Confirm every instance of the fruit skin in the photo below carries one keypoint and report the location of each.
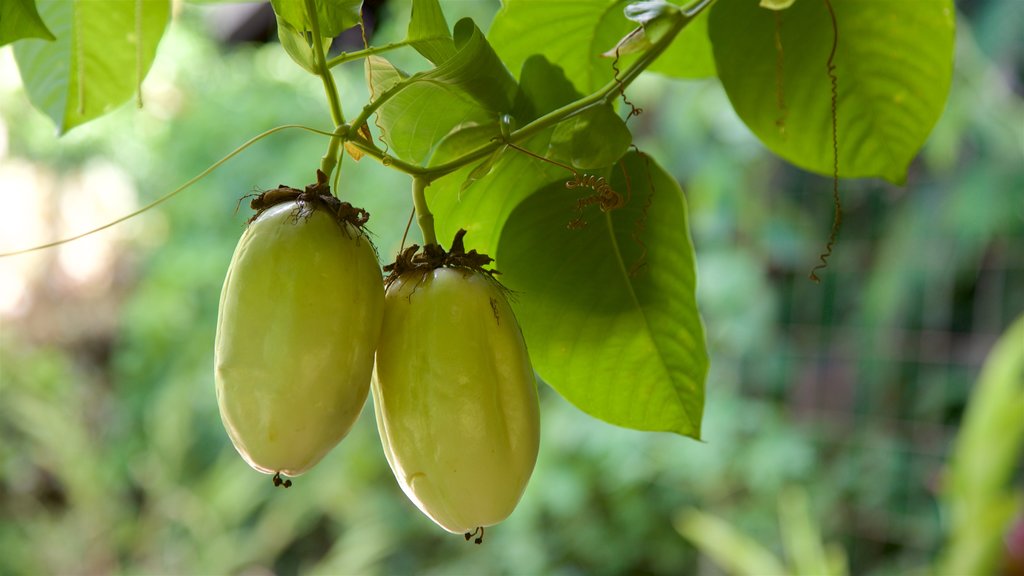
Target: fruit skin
(456, 397)
(300, 316)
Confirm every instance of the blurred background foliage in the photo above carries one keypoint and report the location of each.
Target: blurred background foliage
(832, 406)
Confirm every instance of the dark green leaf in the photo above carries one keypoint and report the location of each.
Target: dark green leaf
(20, 19)
(609, 310)
(333, 16)
(543, 87)
(428, 32)
(594, 139)
(574, 34)
(894, 63)
(104, 49)
(298, 47)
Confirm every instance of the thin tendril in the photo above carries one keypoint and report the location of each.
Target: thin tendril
(373, 95)
(544, 159)
(170, 194)
(837, 219)
(401, 247)
(633, 110)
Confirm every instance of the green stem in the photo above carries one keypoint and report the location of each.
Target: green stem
(330, 159)
(604, 96)
(424, 219)
(350, 56)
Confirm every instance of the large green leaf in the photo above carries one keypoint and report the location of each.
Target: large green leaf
(333, 16)
(428, 32)
(104, 49)
(470, 88)
(609, 311)
(574, 34)
(893, 63)
(20, 19)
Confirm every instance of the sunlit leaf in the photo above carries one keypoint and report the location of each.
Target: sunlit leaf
(609, 310)
(103, 50)
(333, 16)
(893, 62)
(20, 19)
(428, 32)
(574, 34)
(297, 46)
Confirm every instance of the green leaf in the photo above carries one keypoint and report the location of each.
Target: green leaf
(594, 139)
(298, 46)
(333, 16)
(461, 140)
(483, 209)
(471, 88)
(20, 19)
(609, 310)
(574, 34)
(894, 63)
(428, 32)
(104, 49)
(543, 87)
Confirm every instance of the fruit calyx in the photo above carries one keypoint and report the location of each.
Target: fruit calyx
(317, 195)
(433, 256)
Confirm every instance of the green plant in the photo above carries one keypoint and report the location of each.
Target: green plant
(596, 239)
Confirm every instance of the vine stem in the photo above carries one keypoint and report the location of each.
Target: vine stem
(424, 219)
(364, 53)
(603, 96)
(330, 159)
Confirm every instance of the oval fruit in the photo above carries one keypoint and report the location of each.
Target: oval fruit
(455, 397)
(300, 315)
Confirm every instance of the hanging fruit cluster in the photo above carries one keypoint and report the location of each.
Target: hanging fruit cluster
(305, 310)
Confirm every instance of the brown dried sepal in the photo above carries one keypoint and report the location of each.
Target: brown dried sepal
(432, 256)
(315, 196)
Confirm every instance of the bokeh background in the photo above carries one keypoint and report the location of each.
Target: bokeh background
(846, 394)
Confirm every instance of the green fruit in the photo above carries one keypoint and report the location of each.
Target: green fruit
(455, 397)
(300, 315)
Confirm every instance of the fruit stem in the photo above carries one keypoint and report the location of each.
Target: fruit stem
(330, 159)
(424, 219)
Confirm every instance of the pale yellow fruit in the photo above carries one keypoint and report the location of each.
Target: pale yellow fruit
(300, 315)
(456, 397)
